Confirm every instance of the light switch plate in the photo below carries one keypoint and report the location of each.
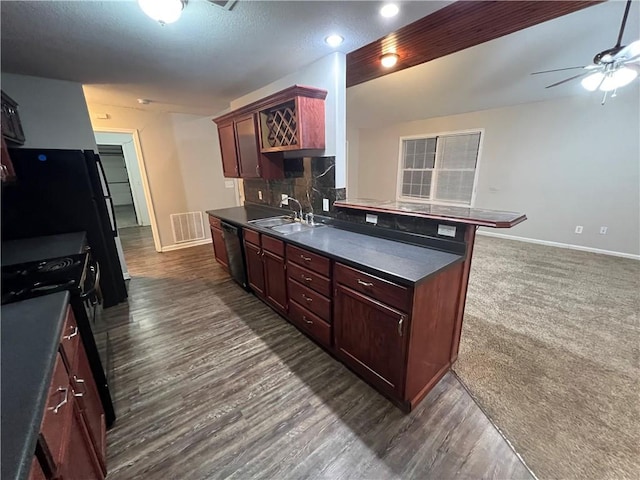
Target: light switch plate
(325, 204)
(228, 184)
(372, 219)
(446, 230)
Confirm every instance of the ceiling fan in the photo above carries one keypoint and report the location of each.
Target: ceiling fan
(611, 69)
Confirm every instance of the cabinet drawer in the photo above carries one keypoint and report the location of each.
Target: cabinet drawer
(57, 413)
(311, 300)
(386, 292)
(214, 222)
(69, 341)
(252, 237)
(308, 322)
(310, 279)
(312, 261)
(273, 245)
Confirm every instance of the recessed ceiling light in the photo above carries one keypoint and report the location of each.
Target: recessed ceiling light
(334, 40)
(388, 60)
(389, 10)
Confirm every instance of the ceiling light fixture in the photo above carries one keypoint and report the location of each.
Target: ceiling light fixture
(389, 10)
(388, 60)
(163, 11)
(334, 40)
(611, 80)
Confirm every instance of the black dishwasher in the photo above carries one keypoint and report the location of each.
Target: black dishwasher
(235, 253)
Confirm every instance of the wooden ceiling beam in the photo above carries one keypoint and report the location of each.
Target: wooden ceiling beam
(457, 26)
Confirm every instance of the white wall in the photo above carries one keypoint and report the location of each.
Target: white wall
(563, 162)
(53, 112)
(328, 73)
(182, 160)
(200, 162)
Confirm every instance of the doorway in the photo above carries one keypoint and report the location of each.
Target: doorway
(125, 174)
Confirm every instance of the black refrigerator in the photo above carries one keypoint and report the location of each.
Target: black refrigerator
(62, 191)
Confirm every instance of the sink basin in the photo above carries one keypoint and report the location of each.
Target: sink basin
(272, 221)
(294, 228)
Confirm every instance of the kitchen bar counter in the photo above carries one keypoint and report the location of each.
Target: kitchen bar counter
(401, 262)
(471, 216)
(30, 338)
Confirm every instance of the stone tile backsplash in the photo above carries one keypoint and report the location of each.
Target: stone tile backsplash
(308, 180)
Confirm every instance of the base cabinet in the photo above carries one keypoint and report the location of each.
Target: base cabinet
(80, 461)
(255, 268)
(370, 338)
(275, 281)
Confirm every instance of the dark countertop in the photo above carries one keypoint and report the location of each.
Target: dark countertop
(42, 248)
(397, 261)
(473, 216)
(240, 216)
(30, 337)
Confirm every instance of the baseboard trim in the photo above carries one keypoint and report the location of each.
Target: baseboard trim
(179, 246)
(560, 245)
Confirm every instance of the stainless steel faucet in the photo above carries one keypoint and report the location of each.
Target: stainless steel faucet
(298, 215)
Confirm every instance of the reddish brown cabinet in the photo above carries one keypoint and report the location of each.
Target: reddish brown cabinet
(227, 136)
(370, 338)
(275, 281)
(255, 268)
(73, 429)
(247, 146)
(217, 239)
(7, 173)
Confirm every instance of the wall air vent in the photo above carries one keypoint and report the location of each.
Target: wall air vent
(226, 4)
(187, 227)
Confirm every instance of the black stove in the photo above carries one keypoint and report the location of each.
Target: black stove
(43, 265)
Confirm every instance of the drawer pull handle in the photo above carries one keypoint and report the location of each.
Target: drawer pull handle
(306, 279)
(308, 299)
(306, 259)
(309, 322)
(400, 323)
(365, 284)
(72, 334)
(78, 381)
(64, 400)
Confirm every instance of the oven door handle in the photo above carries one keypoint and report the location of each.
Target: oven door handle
(95, 289)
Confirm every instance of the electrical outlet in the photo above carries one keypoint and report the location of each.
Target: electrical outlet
(579, 229)
(285, 199)
(229, 184)
(325, 204)
(603, 230)
(260, 194)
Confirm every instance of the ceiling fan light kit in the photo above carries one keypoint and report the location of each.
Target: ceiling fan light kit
(613, 68)
(163, 11)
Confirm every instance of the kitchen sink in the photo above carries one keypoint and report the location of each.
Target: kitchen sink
(294, 228)
(272, 221)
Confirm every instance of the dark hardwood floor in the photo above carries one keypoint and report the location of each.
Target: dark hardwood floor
(211, 383)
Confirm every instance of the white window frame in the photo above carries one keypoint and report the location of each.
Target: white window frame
(401, 198)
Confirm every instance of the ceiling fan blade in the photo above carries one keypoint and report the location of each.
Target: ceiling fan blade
(558, 70)
(630, 51)
(632, 60)
(568, 79)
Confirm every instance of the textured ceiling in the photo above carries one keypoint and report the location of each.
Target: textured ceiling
(198, 64)
(496, 73)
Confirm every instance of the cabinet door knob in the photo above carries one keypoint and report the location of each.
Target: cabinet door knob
(258, 252)
(64, 400)
(310, 322)
(400, 323)
(365, 284)
(72, 334)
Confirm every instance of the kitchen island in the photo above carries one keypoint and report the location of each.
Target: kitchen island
(386, 300)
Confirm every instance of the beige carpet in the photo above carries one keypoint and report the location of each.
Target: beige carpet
(550, 349)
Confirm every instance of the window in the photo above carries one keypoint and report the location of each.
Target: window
(439, 168)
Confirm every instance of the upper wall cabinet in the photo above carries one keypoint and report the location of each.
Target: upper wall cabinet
(254, 138)
(11, 124)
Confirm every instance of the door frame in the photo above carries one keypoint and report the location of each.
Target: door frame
(140, 163)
